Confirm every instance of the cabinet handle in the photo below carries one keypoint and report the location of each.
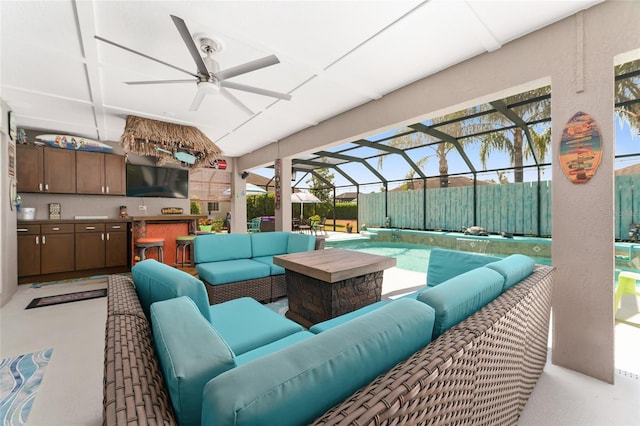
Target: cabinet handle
(90, 228)
(107, 236)
(102, 236)
(40, 187)
(46, 186)
(55, 228)
(22, 229)
(37, 240)
(44, 240)
(115, 227)
(102, 189)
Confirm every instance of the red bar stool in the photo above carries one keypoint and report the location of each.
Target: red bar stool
(145, 243)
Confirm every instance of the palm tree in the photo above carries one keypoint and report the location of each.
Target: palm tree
(628, 89)
(512, 140)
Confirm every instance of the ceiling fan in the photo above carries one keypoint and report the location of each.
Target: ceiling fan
(209, 78)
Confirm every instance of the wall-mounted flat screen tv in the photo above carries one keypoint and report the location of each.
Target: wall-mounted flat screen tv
(149, 181)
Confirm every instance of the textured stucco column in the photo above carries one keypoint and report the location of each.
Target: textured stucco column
(238, 200)
(582, 214)
(283, 214)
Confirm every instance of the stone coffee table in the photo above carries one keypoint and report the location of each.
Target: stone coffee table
(324, 284)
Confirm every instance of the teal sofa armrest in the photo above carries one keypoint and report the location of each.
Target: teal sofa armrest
(190, 353)
(218, 247)
(154, 281)
(300, 242)
(461, 296)
(299, 383)
(513, 268)
(446, 264)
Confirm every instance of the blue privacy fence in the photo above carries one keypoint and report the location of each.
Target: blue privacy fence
(519, 208)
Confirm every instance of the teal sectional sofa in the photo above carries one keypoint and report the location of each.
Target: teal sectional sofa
(241, 265)
(427, 357)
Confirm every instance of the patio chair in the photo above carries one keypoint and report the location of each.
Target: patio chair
(320, 226)
(254, 225)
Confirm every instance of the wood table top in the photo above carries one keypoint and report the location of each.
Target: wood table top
(332, 265)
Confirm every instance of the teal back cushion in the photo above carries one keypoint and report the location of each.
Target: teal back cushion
(190, 353)
(461, 296)
(298, 384)
(217, 247)
(269, 243)
(155, 281)
(514, 268)
(445, 264)
(301, 242)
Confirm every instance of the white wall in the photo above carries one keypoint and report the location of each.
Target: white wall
(582, 219)
(8, 239)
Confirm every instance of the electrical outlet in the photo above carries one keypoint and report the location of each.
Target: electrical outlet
(142, 208)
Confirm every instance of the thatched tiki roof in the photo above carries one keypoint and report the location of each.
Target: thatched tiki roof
(163, 140)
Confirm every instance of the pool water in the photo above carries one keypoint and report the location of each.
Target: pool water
(411, 257)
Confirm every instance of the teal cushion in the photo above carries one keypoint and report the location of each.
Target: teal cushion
(229, 271)
(301, 242)
(514, 268)
(268, 260)
(445, 264)
(246, 324)
(217, 247)
(298, 384)
(270, 348)
(461, 296)
(190, 353)
(326, 325)
(155, 281)
(269, 243)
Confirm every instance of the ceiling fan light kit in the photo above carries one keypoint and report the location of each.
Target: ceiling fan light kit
(208, 77)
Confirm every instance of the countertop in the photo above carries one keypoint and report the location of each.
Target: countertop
(167, 217)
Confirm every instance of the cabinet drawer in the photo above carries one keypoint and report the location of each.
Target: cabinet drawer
(59, 228)
(28, 229)
(116, 226)
(89, 227)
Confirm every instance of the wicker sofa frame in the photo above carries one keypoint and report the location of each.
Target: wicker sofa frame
(481, 371)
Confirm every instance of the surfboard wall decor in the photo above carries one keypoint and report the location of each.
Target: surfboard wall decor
(580, 148)
(77, 143)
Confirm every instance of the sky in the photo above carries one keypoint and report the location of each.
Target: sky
(394, 167)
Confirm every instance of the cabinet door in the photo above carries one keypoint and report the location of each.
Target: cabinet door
(57, 253)
(59, 171)
(29, 163)
(28, 250)
(115, 178)
(117, 249)
(90, 250)
(90, 173)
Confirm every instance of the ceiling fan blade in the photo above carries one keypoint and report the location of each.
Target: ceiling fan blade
(143, 55)
(191, 46)
(197, 100)
(257, 90)
(235, 101)
(247, 67)
(159, 82)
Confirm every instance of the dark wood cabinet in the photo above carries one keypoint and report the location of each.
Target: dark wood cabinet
(90, 246)
(116, 245)
(57, 248)
(28, 250)
(99, 173)
(42, 169)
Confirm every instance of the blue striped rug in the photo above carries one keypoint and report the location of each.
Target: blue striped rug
(20, 378)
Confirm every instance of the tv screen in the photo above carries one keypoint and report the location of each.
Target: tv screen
(149, 181)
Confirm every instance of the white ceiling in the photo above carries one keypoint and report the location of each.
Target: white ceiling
(334, 56)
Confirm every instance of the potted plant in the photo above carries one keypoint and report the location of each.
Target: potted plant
(349, 228)
(205, 224)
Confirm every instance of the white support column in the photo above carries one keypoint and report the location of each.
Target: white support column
(238, 200)
(283, 191)
(582, 214)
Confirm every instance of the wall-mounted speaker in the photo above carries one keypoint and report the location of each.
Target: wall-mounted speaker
(244, 175)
